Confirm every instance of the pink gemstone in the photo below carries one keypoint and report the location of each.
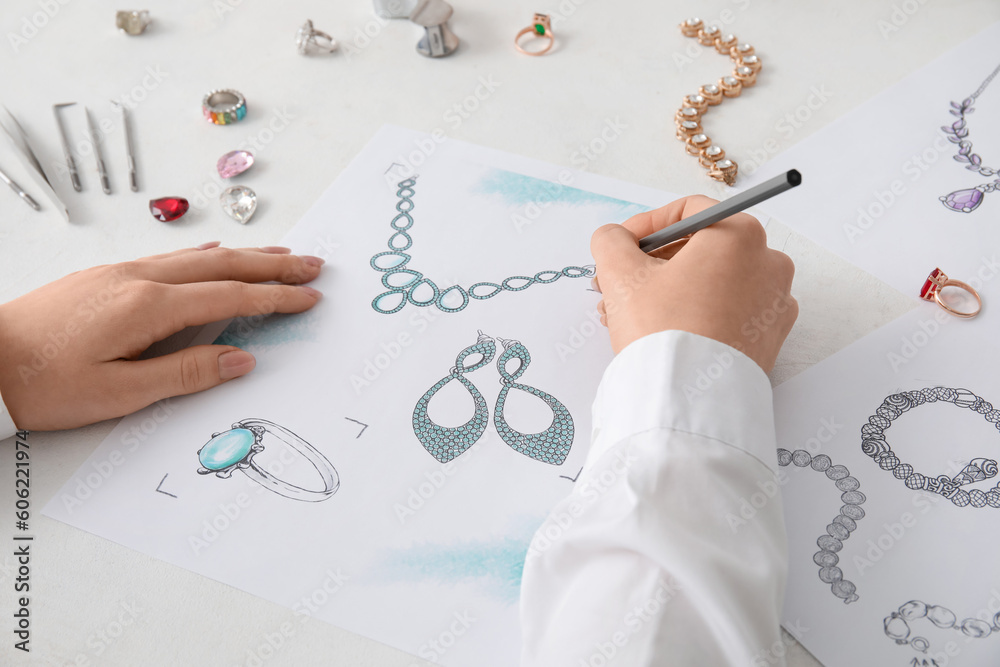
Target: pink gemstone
(167, 209)
(233, 163)
(930, 285)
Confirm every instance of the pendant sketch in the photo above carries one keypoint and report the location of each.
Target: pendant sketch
(404, 283)
(874, 444)
(967, 201)
(897, 624)
(445, 443)
(234, 450)
(842, 525)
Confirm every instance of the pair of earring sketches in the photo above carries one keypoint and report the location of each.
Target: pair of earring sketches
(445, 443)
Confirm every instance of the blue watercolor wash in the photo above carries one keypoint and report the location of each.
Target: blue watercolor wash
(272, 331)
(497, 565)
(518, 190)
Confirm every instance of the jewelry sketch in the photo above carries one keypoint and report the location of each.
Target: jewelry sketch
(402, 282)
(897, 624)
(873, 444)
(967, 201)
(234, 450)
(842, 525)
(445, 443)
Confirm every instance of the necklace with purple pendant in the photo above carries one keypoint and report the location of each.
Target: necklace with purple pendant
(967, 201)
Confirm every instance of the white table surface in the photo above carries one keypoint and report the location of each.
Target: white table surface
(615, 61)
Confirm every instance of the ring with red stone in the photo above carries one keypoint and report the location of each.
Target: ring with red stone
(731, 86)
(541, 27)
(224, 107)
(691, 27)
(937, 281)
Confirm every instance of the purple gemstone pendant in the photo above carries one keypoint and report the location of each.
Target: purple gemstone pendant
(964, 201)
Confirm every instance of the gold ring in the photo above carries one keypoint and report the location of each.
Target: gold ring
(937, 281)
(541, 27)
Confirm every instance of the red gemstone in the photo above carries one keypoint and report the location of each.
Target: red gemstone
(930, 285)
(167, 209)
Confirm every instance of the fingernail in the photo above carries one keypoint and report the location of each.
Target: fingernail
(276, 250)
(313, 261)
(314, 293)
(210, 244)
(235, 363)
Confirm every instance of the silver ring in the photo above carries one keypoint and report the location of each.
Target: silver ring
(234, 450)
(308, 40)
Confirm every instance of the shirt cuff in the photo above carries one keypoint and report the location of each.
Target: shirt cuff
(689, 383)
(7, 427)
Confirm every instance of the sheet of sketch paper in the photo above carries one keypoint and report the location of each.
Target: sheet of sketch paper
(907, 181)
(363, 473)
(888, 454)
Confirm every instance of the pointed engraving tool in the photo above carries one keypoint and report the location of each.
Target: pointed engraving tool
(133, 183)
(70, 163)
(98, 155)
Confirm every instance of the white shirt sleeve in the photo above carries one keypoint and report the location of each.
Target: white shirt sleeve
(671, 548)
(7, 427)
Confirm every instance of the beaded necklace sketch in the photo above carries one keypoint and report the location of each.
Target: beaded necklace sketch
(445, 443)
(967, 201)
(403, 283)
(842, 525)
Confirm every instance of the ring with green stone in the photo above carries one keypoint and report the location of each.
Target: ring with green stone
(541, 26)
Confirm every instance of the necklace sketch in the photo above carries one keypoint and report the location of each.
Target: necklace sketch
(897, 624)
(967, 201)
(842, 525)
(405, 283)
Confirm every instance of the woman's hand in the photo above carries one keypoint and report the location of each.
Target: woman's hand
(724, 283)
(68, 350)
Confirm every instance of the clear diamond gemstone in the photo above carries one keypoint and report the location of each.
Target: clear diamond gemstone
(750, 59)
(711, 88)
(711, 30)
(239, 202)
(722, 164)
(699, 139)
(689, 124)
(729, 80)
(744, 71)
(729, 38)
(712, 150)
(743, 48)
(689, 111)
(132, 22)
(693, 21)
(696, 99)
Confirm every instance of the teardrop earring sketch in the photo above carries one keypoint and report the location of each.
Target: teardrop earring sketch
(446, 442)
(551, 445)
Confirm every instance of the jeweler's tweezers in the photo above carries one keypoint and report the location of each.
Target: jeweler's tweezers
(70, 163)
(129, 155)
(94, 139)
(18, 140)
(20, 191)
(21, 140)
